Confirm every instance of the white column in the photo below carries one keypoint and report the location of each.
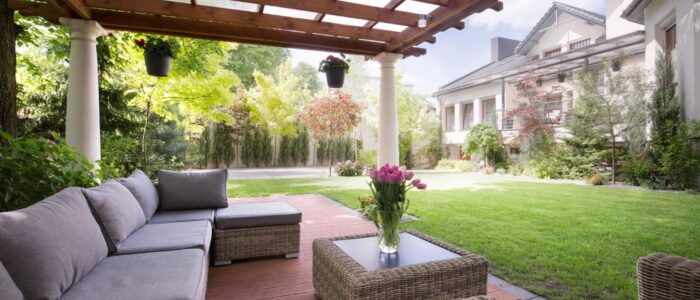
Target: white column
(499, 111)
(388, 115)
(477, 112)
(458, 117)
(83, 107)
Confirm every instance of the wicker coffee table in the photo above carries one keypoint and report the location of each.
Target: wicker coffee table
(424, 268)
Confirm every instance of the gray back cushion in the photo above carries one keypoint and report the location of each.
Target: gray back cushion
(8, 289)
(192, 189)
(117, 209)
(51, 245)
(143, 190)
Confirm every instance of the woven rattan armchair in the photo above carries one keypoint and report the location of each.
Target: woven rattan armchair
(666, 277)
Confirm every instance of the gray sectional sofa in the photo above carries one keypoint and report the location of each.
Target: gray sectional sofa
(125, 239)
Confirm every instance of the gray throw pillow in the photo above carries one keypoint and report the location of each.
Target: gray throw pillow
(143, 190)
(117, 209)
(192, 189)
(8, 289)
(51, 245)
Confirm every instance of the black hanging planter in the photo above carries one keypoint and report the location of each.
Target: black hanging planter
(616, 66)
(335, 77)
(157, 64)
(539, 82)
(561, 77)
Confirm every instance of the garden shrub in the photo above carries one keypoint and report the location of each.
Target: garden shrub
(463, 166)
(487, 170)
(33, 169)
(368, 158)
(547, 167)
(501, 171)
(637, 171)
(515, 170)
(349, 168)
(446, 164)
(598, 179)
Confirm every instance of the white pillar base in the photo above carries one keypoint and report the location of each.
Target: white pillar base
(388, 144)
(83, 105)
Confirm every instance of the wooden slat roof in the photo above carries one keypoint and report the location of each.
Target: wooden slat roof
(234, 21)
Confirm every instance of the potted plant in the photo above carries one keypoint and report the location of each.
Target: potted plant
(158, 54)
(539, 81)
(389, 185)
(561, 76)
(616, 64)
(335, 69)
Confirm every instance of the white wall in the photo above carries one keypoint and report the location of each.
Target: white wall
(615, 24)
(568, 29)
(686, 14)
(461, 97)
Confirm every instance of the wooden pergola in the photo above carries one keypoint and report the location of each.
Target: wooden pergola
(251, 23)
(383, 30)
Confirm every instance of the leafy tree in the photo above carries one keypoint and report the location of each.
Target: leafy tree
(428, 133)
(334, 116)
(308, 77)
(614, 111)
(534, 132)
(245, 59)
(483, 139)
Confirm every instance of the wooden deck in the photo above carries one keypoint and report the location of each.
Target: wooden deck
(278, 278)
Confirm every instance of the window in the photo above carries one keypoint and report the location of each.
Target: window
(488, 111)
(579, 44)
(671, 38)
(552, 52)
(450, 118)
(467, 116)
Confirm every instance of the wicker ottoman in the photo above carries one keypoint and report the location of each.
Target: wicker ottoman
(246, 230)
(424, 268)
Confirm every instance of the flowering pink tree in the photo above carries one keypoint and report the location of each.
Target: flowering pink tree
(334, 115)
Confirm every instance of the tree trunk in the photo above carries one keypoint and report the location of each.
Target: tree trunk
(613, 158)
(144, 137)
(330, 159)
(8, 65)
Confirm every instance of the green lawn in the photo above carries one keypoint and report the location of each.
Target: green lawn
(561, 241)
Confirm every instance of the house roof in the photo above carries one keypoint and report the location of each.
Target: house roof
(511, 62)
(550, 17)
(635, 11)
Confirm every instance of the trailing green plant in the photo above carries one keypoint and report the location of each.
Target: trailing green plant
(332, 62)
(159, 45)
(32, 169)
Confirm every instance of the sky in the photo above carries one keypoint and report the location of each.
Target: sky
(458, 52)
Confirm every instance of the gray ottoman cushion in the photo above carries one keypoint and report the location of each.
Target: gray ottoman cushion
(192, 189)
(168, 236)
(143, 190)
(183, 216)
(8, 289)
(117, 209)
(51, 245)
(154, 275)
(244, 215)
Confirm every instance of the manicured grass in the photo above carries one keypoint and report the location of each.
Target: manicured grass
(561, 241)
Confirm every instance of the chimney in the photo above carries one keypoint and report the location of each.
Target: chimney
(502, 48)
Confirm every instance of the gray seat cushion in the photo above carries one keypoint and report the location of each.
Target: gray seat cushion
(183, 216)
(8, 289)
(143, 190)
(116, 209)
(51, 245)
(192, 189)
(243, 215)
(154, 275)
(168, 236)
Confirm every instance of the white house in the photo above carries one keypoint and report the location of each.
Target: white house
(566, 40)
(672, 25)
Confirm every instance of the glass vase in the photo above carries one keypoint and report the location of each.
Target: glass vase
(389, 237)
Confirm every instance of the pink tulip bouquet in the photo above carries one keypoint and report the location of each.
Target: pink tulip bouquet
(389, 185)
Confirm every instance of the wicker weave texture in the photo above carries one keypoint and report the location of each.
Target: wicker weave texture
(232, 244)
(338, 276)
(666, 277)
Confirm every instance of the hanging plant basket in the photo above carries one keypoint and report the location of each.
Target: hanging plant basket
(335, 69)
(616, 65)
(157, 64)
(335, 77)
(158, 54)
(561, 77)
(539, 81)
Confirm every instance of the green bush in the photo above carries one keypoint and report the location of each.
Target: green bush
(637, 171)
(369, 158)
(516, 170)
(446, 164)
(33, 169)
(547, 167)
(349, 168)
(463, 166)
(598, 179)
(501, 171)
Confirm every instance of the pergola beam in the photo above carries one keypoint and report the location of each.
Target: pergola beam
(199, 12)
(436, 2)
(78, 6)
(235, 33)
(442, 18)
(346, 9)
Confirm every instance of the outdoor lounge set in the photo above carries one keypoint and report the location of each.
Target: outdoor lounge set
(128, 239)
